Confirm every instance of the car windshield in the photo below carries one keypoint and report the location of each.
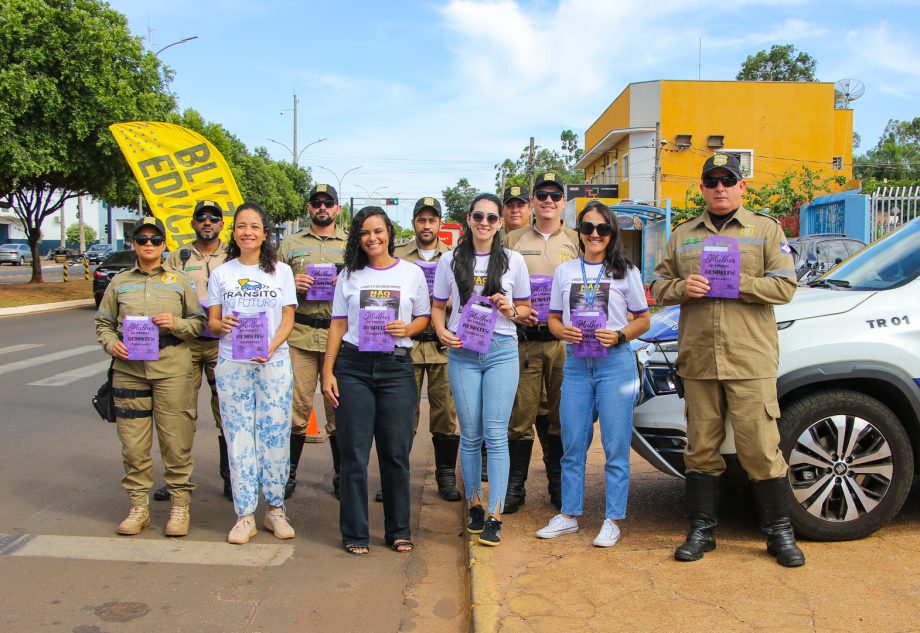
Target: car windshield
(121, 258)
(890, 262)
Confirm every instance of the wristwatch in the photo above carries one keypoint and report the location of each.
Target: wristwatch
(621, 337)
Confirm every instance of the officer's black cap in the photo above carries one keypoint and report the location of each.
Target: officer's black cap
(516, 193)
(549, 178)
(427, 204)
(728, 162)
(204, 205)
(329, 190)
(151, 222)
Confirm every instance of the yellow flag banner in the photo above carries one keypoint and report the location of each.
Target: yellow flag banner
(176, 168)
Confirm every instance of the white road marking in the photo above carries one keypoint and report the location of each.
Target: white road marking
(67, 377)
(141, 550)
(18, 348)
(47, 358)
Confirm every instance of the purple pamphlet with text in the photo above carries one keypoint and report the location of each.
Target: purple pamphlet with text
(477, 324)
(372, 335)
(142, 338)
(323, 288)
(720, 264)
(589, 322)
(540, 286)
(428, 268)
(250, 337)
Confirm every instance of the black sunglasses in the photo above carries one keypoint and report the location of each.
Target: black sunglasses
(325, 202)
(587, 228)
(479, 216)
(156, 240)
(711, 182)
(208, 217)
(543, 195)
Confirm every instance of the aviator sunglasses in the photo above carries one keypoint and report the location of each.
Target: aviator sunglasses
(156, 240)
(711, 182)
(587, 228)
(543, 195)
(479, 216)
(208, 217)
(326, 202)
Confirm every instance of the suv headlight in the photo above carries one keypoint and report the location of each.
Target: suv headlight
(659, 378)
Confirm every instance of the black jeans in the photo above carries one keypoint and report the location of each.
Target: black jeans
(377, 394)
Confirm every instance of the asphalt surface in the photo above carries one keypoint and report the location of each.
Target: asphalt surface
(65, 569)
(50, 272)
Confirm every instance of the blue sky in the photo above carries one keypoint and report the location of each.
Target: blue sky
(419, 94)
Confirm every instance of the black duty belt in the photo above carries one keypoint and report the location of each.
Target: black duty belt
(537, 333)
(399, 351)
(312, 321)
(426, 337)
(120, 392)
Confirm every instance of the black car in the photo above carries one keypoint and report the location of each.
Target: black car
(815, 254)
(98, 252)
(113, 264)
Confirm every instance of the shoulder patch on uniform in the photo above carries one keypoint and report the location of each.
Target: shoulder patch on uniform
(785, 248)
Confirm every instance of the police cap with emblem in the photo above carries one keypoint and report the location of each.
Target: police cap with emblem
(728, 162)
(548, 178)
(329, 190)
(151, 222)
(427, 204)
(516, 193)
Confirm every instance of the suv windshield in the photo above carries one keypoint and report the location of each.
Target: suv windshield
(121, 258)
(890, 262)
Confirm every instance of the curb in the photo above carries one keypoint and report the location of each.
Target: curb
(46, 307)
(485, 601)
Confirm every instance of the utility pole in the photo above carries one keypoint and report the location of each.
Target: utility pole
(80, 220)
(657, 175)
(63, 226)
(530, 162)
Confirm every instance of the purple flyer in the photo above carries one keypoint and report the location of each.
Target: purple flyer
(540, 286)
(589, 322)
(477, 324)
(428, 268)
(323, 288)
(720, 263)
(250, 337)
(372, 335)
(141, 337)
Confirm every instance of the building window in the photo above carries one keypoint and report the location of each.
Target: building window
(837, 162)
(625, 174)
(746, 156)
(611, 178)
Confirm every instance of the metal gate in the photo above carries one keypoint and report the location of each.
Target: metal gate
(893, 206)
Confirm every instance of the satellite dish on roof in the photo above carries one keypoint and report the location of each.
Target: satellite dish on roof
(847, 91)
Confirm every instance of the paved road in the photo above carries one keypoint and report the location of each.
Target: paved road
(50, 272)
(64, 568)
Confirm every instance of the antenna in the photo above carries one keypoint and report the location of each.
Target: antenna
(846, 91)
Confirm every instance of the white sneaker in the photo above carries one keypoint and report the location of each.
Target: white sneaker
(609, 534)
(244, 530)
(557, 526)
(276, 522)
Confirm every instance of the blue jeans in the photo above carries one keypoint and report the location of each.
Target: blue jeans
(606, 386)
(484, 386)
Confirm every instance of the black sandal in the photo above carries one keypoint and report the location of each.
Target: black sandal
(357, 549)
(402, 546)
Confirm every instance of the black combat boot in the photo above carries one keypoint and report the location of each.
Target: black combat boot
(702, 501)
(334, 447)
(445, 463)
(296, 449)
(484, 470)
(773, 503)
(554, 470)
(224, 467)
(519, 452)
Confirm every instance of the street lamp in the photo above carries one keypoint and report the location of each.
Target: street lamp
(182, 41)
(300, 153)
(370, 195)
(340, 179)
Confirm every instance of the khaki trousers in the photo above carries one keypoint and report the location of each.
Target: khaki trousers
(541, 365)
(204, 359)
(752, 407)
(173, 409)
(442, 414)
(307, 367)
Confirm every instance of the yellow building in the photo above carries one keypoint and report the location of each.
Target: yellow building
(671, 127)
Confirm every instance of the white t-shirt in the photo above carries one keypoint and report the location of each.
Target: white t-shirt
(250, 290)
(515, 283)
(616, 295)
(401, 286)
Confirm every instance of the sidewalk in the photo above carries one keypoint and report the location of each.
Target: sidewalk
(45, 307)
(566, 584)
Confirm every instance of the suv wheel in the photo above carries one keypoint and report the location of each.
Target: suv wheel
(850, 464)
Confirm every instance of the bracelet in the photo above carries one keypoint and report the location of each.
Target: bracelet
(515, 315)
(332, 356)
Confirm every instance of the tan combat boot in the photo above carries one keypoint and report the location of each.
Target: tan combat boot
(178, 521)
(138, 518)
(244, 530)
(276, 522)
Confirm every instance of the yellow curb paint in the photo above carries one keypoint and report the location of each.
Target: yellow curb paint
(485, 603)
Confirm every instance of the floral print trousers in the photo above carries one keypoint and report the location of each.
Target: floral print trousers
(255, 404)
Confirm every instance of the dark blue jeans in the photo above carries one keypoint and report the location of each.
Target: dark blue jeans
(377, 394)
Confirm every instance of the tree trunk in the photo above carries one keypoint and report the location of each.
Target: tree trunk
(34, 234)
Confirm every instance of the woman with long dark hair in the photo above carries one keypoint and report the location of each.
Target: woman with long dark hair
(591, 301)
(380, 301)
(251, 301)
(489, 286)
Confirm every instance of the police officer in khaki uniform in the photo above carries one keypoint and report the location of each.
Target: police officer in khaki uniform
(516, 209)
(429, 356)
(544, 246)
(728, 355)
(197, 260)
(153, 393)
(322, 242)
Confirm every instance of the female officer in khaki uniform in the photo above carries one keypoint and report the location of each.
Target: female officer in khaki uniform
(153, 393)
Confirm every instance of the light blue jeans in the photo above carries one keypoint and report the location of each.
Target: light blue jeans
(255, 405)
(597, 386)
(484, 386)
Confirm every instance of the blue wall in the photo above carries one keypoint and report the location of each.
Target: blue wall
(846, 212)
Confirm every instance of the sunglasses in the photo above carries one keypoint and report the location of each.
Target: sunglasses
(326, 202)
(156, 240)
(543, 195)
(479, 216)
(208, 217)
(711, 182)
(603, 229)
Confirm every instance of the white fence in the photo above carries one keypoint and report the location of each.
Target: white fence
(893, 206)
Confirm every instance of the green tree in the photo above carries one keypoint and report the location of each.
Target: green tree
(896, 156)
(72, 235)
(458, 200)
(519, 172)
(781, 63)
(68, 69)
